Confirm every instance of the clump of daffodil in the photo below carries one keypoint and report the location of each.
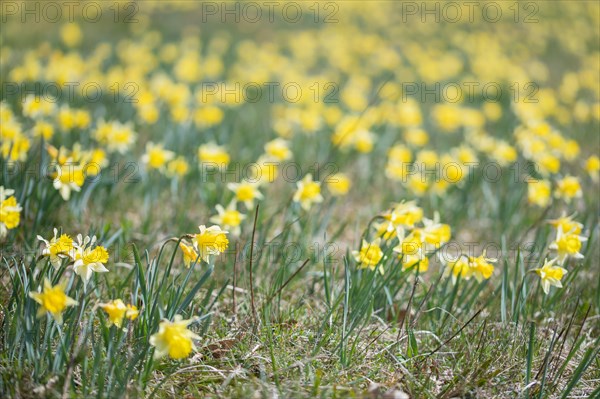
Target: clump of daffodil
(116, 136)
(568, 188)
(117, 311)
(230, 218)
(89, 258)
(156, 157)
(69, 118)
(539, 193)
(468, 266)
(567, 244)
(43, 129)
(174, 339)
(308, 192)
(38, 106)
(58, 248)
(415, 243)
(338, 184)
(369, 255)
(52, 300)
(246, 192)
(211, 241)
(10, 211)
(404, 214)
(550, 275)
(432, 234)
(411, 251)
(213, 155)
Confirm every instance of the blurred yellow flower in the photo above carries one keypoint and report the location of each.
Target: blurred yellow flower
(36, 106)
(416, 137)
(229, 218)
(370, 255)
(174, 339)
(539, 192)
(568, 188)
(246, 192)
(10, 211)
(43, 129)
(117, 311)
(566, 224)
(567, 244)
(156, 157)
(178, 167)
(338, 184)
(592, 166)
(67, 178)
(213, 155)
(467, 266)
(52, 300)
(308, 192)
(207, 116)
(278, 150)
(71, 34)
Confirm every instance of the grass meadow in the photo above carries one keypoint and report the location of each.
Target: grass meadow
(311, 199)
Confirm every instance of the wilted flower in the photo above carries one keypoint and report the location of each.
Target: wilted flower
(189, 254)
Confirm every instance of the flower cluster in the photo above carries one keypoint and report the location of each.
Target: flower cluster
(567, 244)
(84, 255)
(210, 241)
(412, 237)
